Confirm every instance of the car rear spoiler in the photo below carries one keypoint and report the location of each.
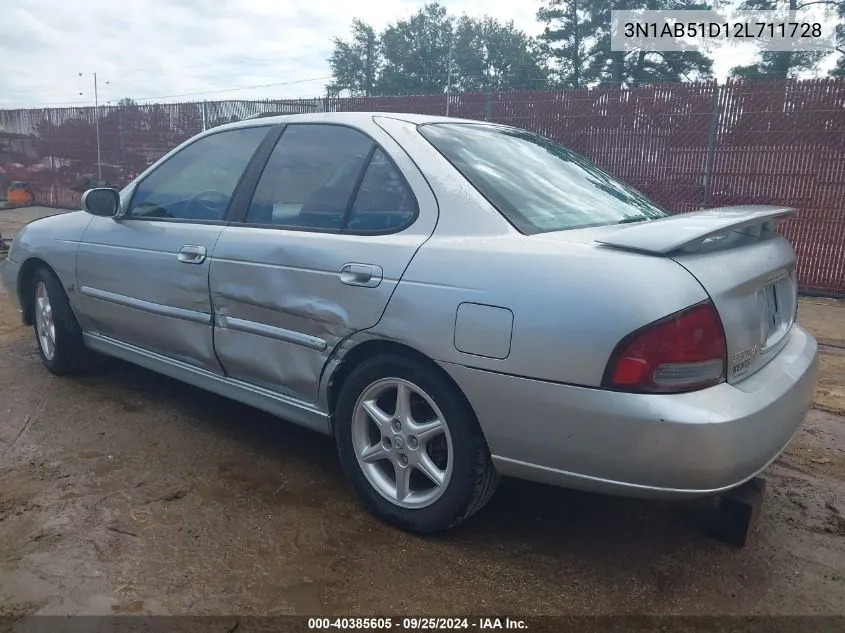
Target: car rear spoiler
(687, 232)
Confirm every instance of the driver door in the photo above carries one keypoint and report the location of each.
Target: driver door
(143, 278)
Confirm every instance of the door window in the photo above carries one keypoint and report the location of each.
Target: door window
(310, 177)
(383, 202)
(197, 183)
(330, 177)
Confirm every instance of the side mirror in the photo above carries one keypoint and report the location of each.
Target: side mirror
(101, 201)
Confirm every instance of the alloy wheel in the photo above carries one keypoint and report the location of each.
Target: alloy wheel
(44, 324)
(402, 443)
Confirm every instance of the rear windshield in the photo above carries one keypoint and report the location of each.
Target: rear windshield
(535, 183)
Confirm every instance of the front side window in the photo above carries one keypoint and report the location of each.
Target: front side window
(197, 183)
(330, 177)
(538, 185)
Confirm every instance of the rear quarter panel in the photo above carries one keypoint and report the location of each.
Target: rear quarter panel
(571, 303)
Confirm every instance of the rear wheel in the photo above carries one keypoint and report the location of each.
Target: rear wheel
(57, 333)
(411, 446)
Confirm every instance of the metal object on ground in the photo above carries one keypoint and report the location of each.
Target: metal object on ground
(738, 512)
(19, 194)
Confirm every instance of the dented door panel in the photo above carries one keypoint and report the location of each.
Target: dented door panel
(281, 305)
(283, 298)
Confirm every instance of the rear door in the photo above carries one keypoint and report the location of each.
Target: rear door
(335, 219)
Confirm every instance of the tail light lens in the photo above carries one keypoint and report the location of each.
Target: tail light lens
(682, 352)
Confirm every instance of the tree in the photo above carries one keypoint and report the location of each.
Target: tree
(73, 139)
(778, 65)
(355, 64)
(624, 68)
(488, 55)
(416, 53)
(644, 67)
(128, 130)
(566, 38)
(432, 51)
(187, 122)
(838, 8)
(578, 34)
(785, 64)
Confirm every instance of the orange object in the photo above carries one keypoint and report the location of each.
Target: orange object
(18, 194)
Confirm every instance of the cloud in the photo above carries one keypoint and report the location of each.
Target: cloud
(159, 49)
(170, 50)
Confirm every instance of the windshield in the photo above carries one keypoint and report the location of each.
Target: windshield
(536, 184)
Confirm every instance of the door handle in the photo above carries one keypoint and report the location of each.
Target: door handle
(192, 254)
(366, 275)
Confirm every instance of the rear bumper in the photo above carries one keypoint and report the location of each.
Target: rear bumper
(659, 446)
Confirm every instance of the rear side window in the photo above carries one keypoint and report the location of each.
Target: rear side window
(537, 184)
(310, 177)
(330, 177)
(383, 202)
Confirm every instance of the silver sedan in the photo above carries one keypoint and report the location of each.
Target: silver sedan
(452, 301)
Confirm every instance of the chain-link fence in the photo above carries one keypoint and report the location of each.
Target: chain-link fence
(687, 146)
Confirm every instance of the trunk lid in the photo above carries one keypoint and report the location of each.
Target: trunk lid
(745, 266)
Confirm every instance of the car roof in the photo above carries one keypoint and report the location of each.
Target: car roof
(349, 118)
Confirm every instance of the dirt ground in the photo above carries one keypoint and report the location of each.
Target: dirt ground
(126, 492)
(826, 319)
(11, 220)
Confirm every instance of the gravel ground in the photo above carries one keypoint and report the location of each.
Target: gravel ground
(125, 492)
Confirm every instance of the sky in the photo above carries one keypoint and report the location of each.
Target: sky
(173, 50)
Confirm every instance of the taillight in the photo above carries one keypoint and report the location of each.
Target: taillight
(682, 352)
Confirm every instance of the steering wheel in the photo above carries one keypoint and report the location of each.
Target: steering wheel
(214, 202)
(149, 210)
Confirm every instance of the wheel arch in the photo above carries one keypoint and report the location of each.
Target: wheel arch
(377, 347)
(26, 287)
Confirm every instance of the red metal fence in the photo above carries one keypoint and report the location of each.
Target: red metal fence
(685, 145)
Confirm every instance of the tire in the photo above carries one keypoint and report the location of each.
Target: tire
(57, 332)
(458, 456)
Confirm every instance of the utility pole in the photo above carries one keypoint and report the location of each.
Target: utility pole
(449, 68)
(97, 126)
(123, 169)
(54, 188)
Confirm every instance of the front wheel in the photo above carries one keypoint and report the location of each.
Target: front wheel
(57, 333)
(411, 446)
